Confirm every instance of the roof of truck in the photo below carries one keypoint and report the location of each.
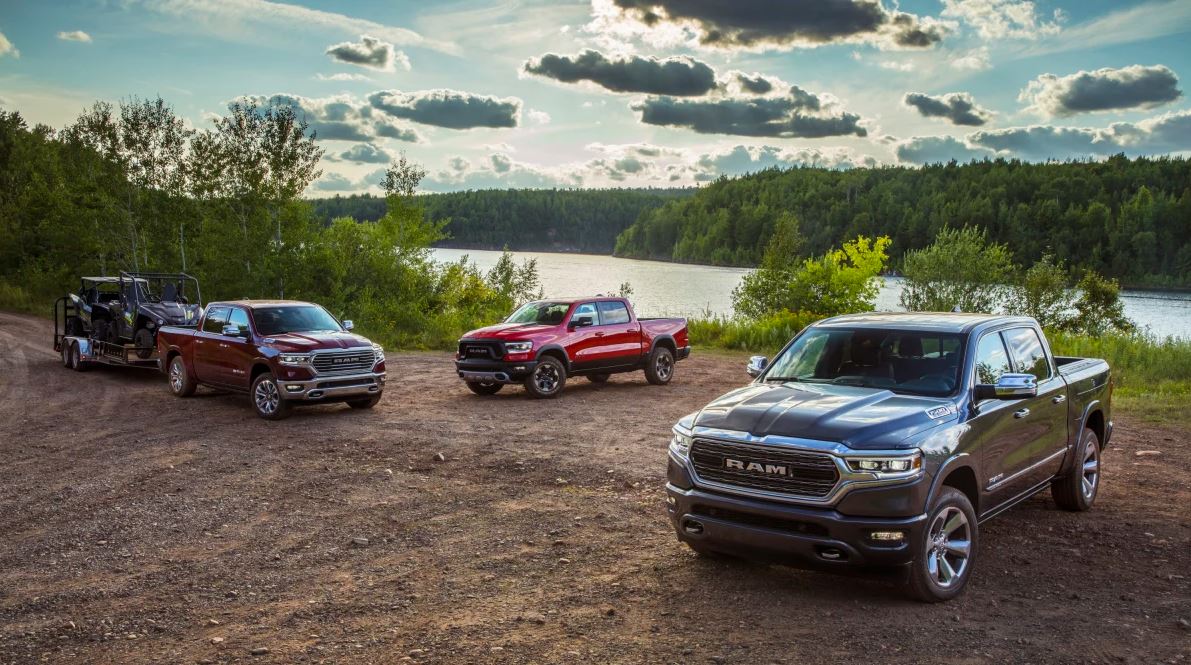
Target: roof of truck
(953, 322)
(256, 304)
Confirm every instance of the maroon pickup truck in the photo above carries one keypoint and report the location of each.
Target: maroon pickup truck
(280, 352)
(544, 342)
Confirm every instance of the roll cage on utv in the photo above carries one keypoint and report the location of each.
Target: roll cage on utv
(132, 306)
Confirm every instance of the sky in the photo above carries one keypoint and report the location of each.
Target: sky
(627, 93)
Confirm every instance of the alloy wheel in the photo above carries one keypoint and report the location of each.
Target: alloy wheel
(663, 366)
(949, 547)
(1091, 470)
(545, 377)
(267, 397)
(177, 378)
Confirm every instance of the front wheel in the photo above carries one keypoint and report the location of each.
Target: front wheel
(547, 379)
(1077, 490)
(659, 369)
(181, 385)
(143, 339)
(946, 549)
(484, 387)
(267, 400)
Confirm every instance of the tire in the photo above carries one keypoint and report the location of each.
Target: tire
(1077, 490)
(660, 367)
(547, 379)
(946, 550)
(598, 378)
(143, 338)
(366, 403)
(180, 382)
(266, 398)
(482, 388)
(76, 361)
(66, 354)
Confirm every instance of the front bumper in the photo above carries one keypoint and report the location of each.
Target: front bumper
(494, 371)
(810, 537)
(333, 388)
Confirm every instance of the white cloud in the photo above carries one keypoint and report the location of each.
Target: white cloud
(975, 60)
(1141, 22)
(369, 52)
(74, 36)
(1001, 19)
(6, 47)
(1106, 89)
(539, 117)
(342, 76)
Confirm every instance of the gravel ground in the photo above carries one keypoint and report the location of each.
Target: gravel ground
(443, 527)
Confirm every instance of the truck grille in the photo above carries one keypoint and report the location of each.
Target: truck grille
(481, 350)
(347, 361)
(765, 468)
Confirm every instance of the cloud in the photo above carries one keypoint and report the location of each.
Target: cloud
(363, 153)
(1146, 21)
(680, 76)
(797, 114)
(369, 52)
(333, 182)
(342, 76)
(753, 83)
(975, 60)
(448, 108)
(6, 47)
(764, 24)
(741, 159)
(496, 171)
(1001, 19)
(937, 150)
(389, 129)
(539, 117)
(74, 36)
(957, 107)
(1133, 87)
(337, 118)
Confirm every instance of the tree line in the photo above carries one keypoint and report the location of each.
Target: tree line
(567, 220)
(1122, 218)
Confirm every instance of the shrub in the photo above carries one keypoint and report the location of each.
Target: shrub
(961, 269)
(1045, 294)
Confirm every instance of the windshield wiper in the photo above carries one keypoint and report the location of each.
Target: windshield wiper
(783, 379)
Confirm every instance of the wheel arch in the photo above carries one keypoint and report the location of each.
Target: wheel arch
(958, 472)
(258, 368)
(666, 341)
(557, 352)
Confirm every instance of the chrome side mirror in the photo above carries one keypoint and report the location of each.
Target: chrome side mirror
(232, 330)
(1009, 386)
(348, 325)
(757, 364)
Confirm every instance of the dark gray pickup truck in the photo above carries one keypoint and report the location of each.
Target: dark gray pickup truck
(882, 441)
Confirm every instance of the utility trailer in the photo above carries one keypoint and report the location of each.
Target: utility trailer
(80, 350)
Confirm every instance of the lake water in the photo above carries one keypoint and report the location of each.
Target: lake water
(676, 289)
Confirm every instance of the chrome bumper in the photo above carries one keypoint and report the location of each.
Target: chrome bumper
(330, 388)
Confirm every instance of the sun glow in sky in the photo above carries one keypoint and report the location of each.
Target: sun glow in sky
(662, 93)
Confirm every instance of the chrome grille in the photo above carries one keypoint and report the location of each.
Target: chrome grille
(346, 361)
(766, 468)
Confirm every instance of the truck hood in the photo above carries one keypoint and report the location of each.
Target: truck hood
(860, 418)
(508, 331)
(295, 342)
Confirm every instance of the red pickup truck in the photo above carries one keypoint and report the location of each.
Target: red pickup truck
(544, 342)
(280, 352)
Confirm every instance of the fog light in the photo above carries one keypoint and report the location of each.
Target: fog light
(888, 536)
(293, 388)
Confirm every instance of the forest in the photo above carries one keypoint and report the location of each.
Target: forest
(558, 220)
(1125, 219)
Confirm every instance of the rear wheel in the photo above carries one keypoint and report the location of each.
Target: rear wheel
(267, 400)
(66, 354)
(946, 549)
(547, 379)
(1077, 490)
(366, 403)
(484, 387)
(660, 367)
(598, 378)
(76, 359)
(181, 384)
(144, 343)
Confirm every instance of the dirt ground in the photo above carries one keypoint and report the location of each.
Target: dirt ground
(137, 527)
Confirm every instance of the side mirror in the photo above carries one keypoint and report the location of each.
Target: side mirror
(232, 330)
(1009, 386)
(582, 322)
(348, 325)
(757, 364)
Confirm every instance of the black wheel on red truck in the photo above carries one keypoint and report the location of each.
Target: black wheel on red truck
(267, 399)
(181, 384)
(484, 387)
(366, 403)
(946, 549)
(1077, 490)
(659, 369)
(548, 378)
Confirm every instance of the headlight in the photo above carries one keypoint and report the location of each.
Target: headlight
(518, 347)
(378, 352)
(287, 359)
(887, 466)
(680, 443)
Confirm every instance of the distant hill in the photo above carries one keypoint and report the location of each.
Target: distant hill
(568, 220)
(1129, 219)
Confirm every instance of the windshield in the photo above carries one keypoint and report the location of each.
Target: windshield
(294, 318)
(546, 313)
(904, 361)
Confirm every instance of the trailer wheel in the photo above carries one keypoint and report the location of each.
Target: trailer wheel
(76, 361)
(66, 353)
(181, 384)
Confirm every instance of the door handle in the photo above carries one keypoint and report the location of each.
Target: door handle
(1059, 399)
(1021, 413)
(222, 345)
(599, 334)
(630, 330)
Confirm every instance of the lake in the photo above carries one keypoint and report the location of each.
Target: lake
(677, 289)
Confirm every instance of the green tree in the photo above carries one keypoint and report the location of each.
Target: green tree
(960, 270)
(1099, 308)
(1045, 294)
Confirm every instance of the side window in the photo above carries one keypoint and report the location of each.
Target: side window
(991, 359)
(613, 312)
(239, 318)
(215, 320)
(587, 309)
(1028, 354)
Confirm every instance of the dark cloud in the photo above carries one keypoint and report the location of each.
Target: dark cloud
(766, 23)
(448, 108)
(742, 159)
(937, 150)
(333, 182)
(390, 130)
(957, 107)
(332, 118)
(679, 76)
(794, 115)
(368, 52)
(1105, 89)
(755, 83)
(363, 153)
